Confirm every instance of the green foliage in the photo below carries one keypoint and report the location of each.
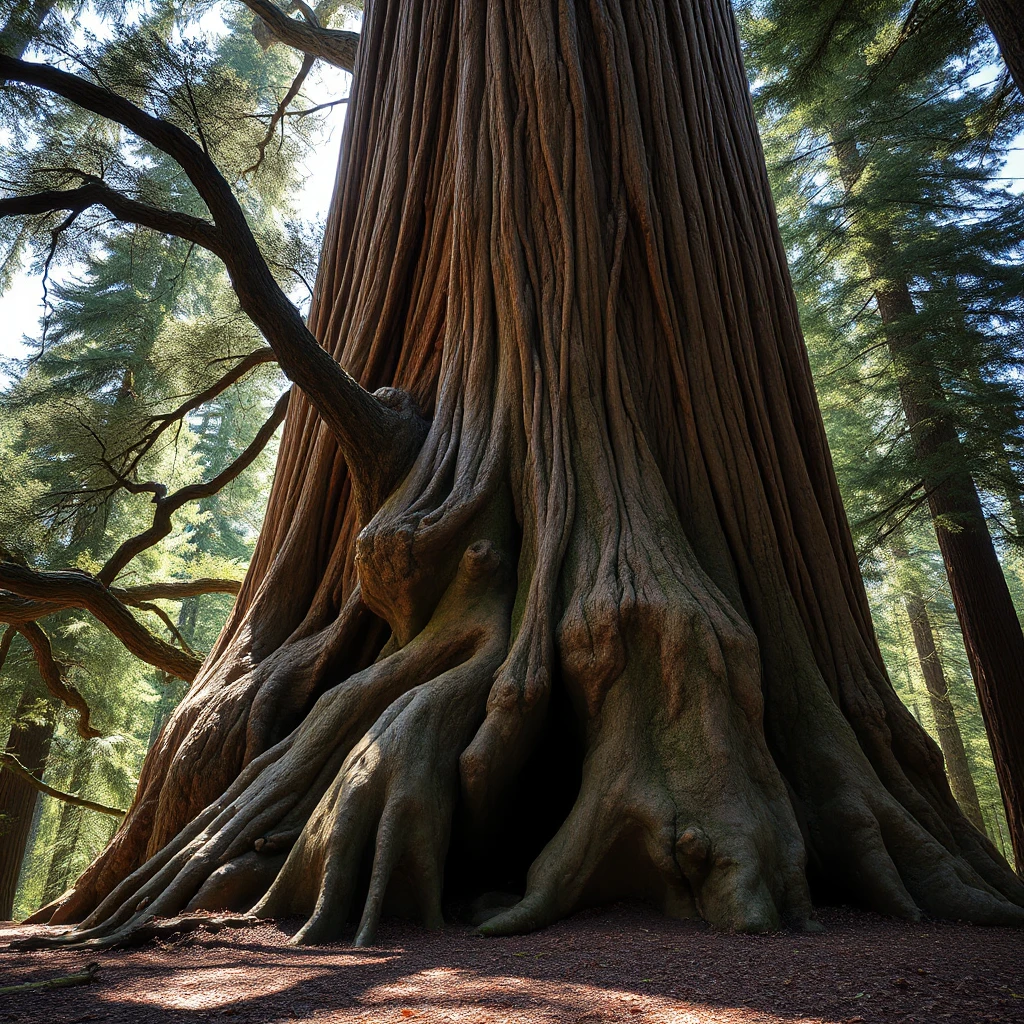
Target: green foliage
(886, 126)
(139, 324)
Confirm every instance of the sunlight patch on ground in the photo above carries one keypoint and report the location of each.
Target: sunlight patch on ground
(460, 996)
(207, 988)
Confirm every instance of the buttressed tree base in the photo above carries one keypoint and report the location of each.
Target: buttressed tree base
(586, 615)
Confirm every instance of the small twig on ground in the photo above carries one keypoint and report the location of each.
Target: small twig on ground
(86, 977)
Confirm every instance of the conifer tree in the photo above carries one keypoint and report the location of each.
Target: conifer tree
(897, 151)
(499, 548)
(133, 347)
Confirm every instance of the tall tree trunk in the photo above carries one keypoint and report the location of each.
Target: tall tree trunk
(23, 23)
(65, 842)
(608, 635)
(1006, 19)
(950, 739)
(29, 742)
(991, 630)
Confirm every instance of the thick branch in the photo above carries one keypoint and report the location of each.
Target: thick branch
(79, 590)
(12, 764)
(378, 438)
(175, 590)
(167, 505)
(19, 609)
(332, 45)
(53, 677)
(96, 193)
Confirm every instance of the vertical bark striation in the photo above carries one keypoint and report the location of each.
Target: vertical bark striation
(1007, 25)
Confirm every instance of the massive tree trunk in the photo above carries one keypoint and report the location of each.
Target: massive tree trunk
(951, 740)
(29, 742)
(609, 626)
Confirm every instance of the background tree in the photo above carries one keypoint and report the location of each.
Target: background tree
(567, 568)
(130, 386)
(897, 150)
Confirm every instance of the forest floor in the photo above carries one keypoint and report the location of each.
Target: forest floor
(623, 963)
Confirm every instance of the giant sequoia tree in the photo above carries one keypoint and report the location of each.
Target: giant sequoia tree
(563, 583)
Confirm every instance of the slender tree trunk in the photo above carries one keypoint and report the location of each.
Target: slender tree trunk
(991, 630)
(1012, 493)
(22, 24)
(608, 635)
(1006, 19)
(950, 739)
(29, 742)
(65, 841)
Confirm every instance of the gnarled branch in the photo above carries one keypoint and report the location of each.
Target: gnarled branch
(335, 46)
(168, 504)
(13, 765)
(71, 589)
(53, 676)
(162, 421)
(98, 193)
(379, 435)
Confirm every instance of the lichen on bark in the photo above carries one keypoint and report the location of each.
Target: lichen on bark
(609, 624)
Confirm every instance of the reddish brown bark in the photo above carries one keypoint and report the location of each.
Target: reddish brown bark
(628, 636)
(950, 738)
(1006, 20)
(29, 742)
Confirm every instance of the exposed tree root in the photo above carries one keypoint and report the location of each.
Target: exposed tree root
(378, 753)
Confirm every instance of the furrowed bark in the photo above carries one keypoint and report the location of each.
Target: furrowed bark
(1004, 19)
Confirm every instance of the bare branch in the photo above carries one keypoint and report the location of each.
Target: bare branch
(175, 590)
(97, 193)
(167, 505)
(13, 765)
(332, 45)
(52, 673)
(71, 589)
(282, 109)
(239, 370)
(379, 435)
(155, 609)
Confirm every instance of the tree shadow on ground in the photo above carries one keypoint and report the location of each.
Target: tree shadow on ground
(620, 963)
